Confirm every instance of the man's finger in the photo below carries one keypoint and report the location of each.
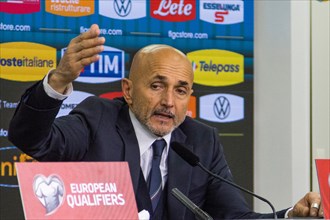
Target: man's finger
(86, 44)
(321, 214)
(300, 210)
(93, 32)
(314, 202)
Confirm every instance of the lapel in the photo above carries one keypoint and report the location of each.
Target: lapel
(179, 176)
(131, 148)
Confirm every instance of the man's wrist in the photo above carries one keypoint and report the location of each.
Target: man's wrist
(51, 92)
(287, 213)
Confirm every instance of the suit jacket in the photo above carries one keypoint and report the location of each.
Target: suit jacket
(101, 130)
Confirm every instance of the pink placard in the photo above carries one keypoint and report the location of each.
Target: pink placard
(76, 190)
(323, 174)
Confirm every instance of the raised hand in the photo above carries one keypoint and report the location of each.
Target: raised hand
(81, 51)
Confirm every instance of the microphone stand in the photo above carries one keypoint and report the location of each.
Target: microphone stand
(237, 186)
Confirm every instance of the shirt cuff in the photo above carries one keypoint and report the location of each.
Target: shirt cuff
(287, 212)
(54, 94)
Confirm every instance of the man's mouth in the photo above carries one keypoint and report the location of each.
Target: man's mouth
(163, 114)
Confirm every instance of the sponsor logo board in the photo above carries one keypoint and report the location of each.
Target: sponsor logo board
(19, 6)
(191, 112)
(217, 67)
(70, 8)
(222, 12)
(123, 9)
(25, 61)
(173, 10)
(9, 155)
(111, 95)
(109, 68)
(222, 108)
(72, 101)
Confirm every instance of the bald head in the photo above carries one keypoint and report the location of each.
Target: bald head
(155, 55)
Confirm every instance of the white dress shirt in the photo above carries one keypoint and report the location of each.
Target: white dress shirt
(145, 140)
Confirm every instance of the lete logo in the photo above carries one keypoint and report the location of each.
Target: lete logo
(173, 10)
(50, 192)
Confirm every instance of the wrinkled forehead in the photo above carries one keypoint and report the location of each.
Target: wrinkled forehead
(157, 57)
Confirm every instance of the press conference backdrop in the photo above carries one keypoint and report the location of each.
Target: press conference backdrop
(216, 35)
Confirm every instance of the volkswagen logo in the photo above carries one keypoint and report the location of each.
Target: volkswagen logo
(221, 107)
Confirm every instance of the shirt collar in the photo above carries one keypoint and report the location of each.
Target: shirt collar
(144, 137)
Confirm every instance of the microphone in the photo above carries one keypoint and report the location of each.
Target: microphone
(193, 160)
(199, 213)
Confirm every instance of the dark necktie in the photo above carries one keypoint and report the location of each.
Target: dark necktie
(155, 178)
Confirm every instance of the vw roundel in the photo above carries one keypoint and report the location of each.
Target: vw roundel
(222, 108)
(217, 67)
(109, 68)
(123, 9)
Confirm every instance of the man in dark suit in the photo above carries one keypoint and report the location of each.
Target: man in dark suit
(153, 109)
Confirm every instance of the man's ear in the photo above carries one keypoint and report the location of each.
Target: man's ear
(126, 86)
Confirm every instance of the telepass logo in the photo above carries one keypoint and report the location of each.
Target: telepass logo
(217, 67)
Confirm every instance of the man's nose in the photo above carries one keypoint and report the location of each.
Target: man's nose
(168, 98)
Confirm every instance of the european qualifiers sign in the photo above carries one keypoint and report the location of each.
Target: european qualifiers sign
(76, 190)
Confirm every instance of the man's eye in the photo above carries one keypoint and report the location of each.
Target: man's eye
(181, 91)
(155, 86)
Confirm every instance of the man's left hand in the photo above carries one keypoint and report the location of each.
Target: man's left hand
(309, 206)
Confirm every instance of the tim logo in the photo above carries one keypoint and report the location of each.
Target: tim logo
(123, 9)
(222, 12)
(50, 191)
(173, 10)
(109, 68)
(222, 108)
(19, 6)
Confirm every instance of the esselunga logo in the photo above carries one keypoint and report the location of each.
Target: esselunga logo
(70, 8)
(109, 68)
(217, 67)
(25, 61)
(222, 12)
